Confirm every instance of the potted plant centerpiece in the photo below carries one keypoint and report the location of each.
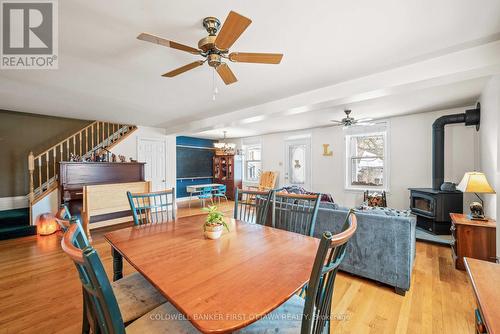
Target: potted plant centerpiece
(215, 224)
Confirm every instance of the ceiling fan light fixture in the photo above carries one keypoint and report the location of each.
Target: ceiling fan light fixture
(349, 121)
(216, 46)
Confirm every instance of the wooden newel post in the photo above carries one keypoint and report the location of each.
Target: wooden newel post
(31, 169)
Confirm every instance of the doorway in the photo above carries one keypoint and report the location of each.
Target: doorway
(153, 153)
(298, 163)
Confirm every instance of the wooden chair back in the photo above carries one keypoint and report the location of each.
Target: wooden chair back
(101, 303)
(106, 199)
(63, 217)
(267, 180)
(152, 207)
(251, 205)
(295, 212)
(319, 292)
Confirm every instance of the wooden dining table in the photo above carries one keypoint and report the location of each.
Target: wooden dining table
(219, 285)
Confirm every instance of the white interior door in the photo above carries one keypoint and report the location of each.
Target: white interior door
(153, 153)
(298, 163)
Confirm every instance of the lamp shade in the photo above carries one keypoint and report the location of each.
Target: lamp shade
(475, 182)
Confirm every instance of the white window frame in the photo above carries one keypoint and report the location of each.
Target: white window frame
(246, 147)
(347, 156)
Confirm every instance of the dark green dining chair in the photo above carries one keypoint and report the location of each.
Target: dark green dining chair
(134, 294)
(104, 310)
(251, 206)
(295, 212)
(312, 315)
(153, 207)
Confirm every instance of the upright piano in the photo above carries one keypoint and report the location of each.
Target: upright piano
(74, 175)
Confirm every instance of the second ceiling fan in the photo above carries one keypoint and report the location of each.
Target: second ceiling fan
(215, 47)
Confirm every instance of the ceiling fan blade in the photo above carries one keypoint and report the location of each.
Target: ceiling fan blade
(262, 58)
(165, 42)
(226, 74)
(365, 123)
(231, 30)
(336, 122)
(183, 69)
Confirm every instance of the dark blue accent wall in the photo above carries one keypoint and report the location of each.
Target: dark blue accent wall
(194, 163)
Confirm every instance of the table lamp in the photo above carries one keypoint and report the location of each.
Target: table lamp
(476, 182)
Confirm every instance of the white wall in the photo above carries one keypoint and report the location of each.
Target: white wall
(128, 148)
(49, 203)
(410, 139)
(490, 146)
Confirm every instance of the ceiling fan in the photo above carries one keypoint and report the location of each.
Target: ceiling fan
(215, 47)
(349, 121)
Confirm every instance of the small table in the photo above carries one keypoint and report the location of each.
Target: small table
(220, 285)
(485, 279)
(472, 238)
(194, 189)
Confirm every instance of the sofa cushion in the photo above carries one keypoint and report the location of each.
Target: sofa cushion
(385, 211)
(324, 198)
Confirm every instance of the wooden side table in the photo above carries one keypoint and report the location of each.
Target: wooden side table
(472, 238)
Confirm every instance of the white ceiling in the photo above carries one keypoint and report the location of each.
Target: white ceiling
(105, 73)
(429, 99)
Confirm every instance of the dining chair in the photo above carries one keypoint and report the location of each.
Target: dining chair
(251, 206)
(267, 181)
(63, 217)
(295, 212)
(206, 193)
(220, 192)
(153, 207)
(108, 306)
(312, 315)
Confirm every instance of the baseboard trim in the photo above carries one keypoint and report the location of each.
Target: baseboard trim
(16, 202)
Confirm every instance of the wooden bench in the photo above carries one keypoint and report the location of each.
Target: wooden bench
(109, 202)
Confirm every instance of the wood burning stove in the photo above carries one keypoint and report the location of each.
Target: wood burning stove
(433, 206)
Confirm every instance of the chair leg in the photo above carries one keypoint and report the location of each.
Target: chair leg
(85, 319)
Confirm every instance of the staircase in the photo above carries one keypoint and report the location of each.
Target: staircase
(15, 223)
(95, 138)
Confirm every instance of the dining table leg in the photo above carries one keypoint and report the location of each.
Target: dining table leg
(117, 264)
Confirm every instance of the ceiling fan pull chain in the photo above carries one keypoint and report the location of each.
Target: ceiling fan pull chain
(214, 86)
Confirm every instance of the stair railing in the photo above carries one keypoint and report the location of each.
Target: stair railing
(43, 173)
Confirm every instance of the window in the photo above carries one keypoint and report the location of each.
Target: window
(253, 163)
(366, 161)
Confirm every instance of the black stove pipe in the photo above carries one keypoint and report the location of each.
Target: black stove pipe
(470, 117)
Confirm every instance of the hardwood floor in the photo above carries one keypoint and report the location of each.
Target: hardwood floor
(40, 291)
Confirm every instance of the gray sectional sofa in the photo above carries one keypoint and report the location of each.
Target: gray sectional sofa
(382, 249)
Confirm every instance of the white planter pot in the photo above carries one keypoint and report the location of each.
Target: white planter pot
(213, 232)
